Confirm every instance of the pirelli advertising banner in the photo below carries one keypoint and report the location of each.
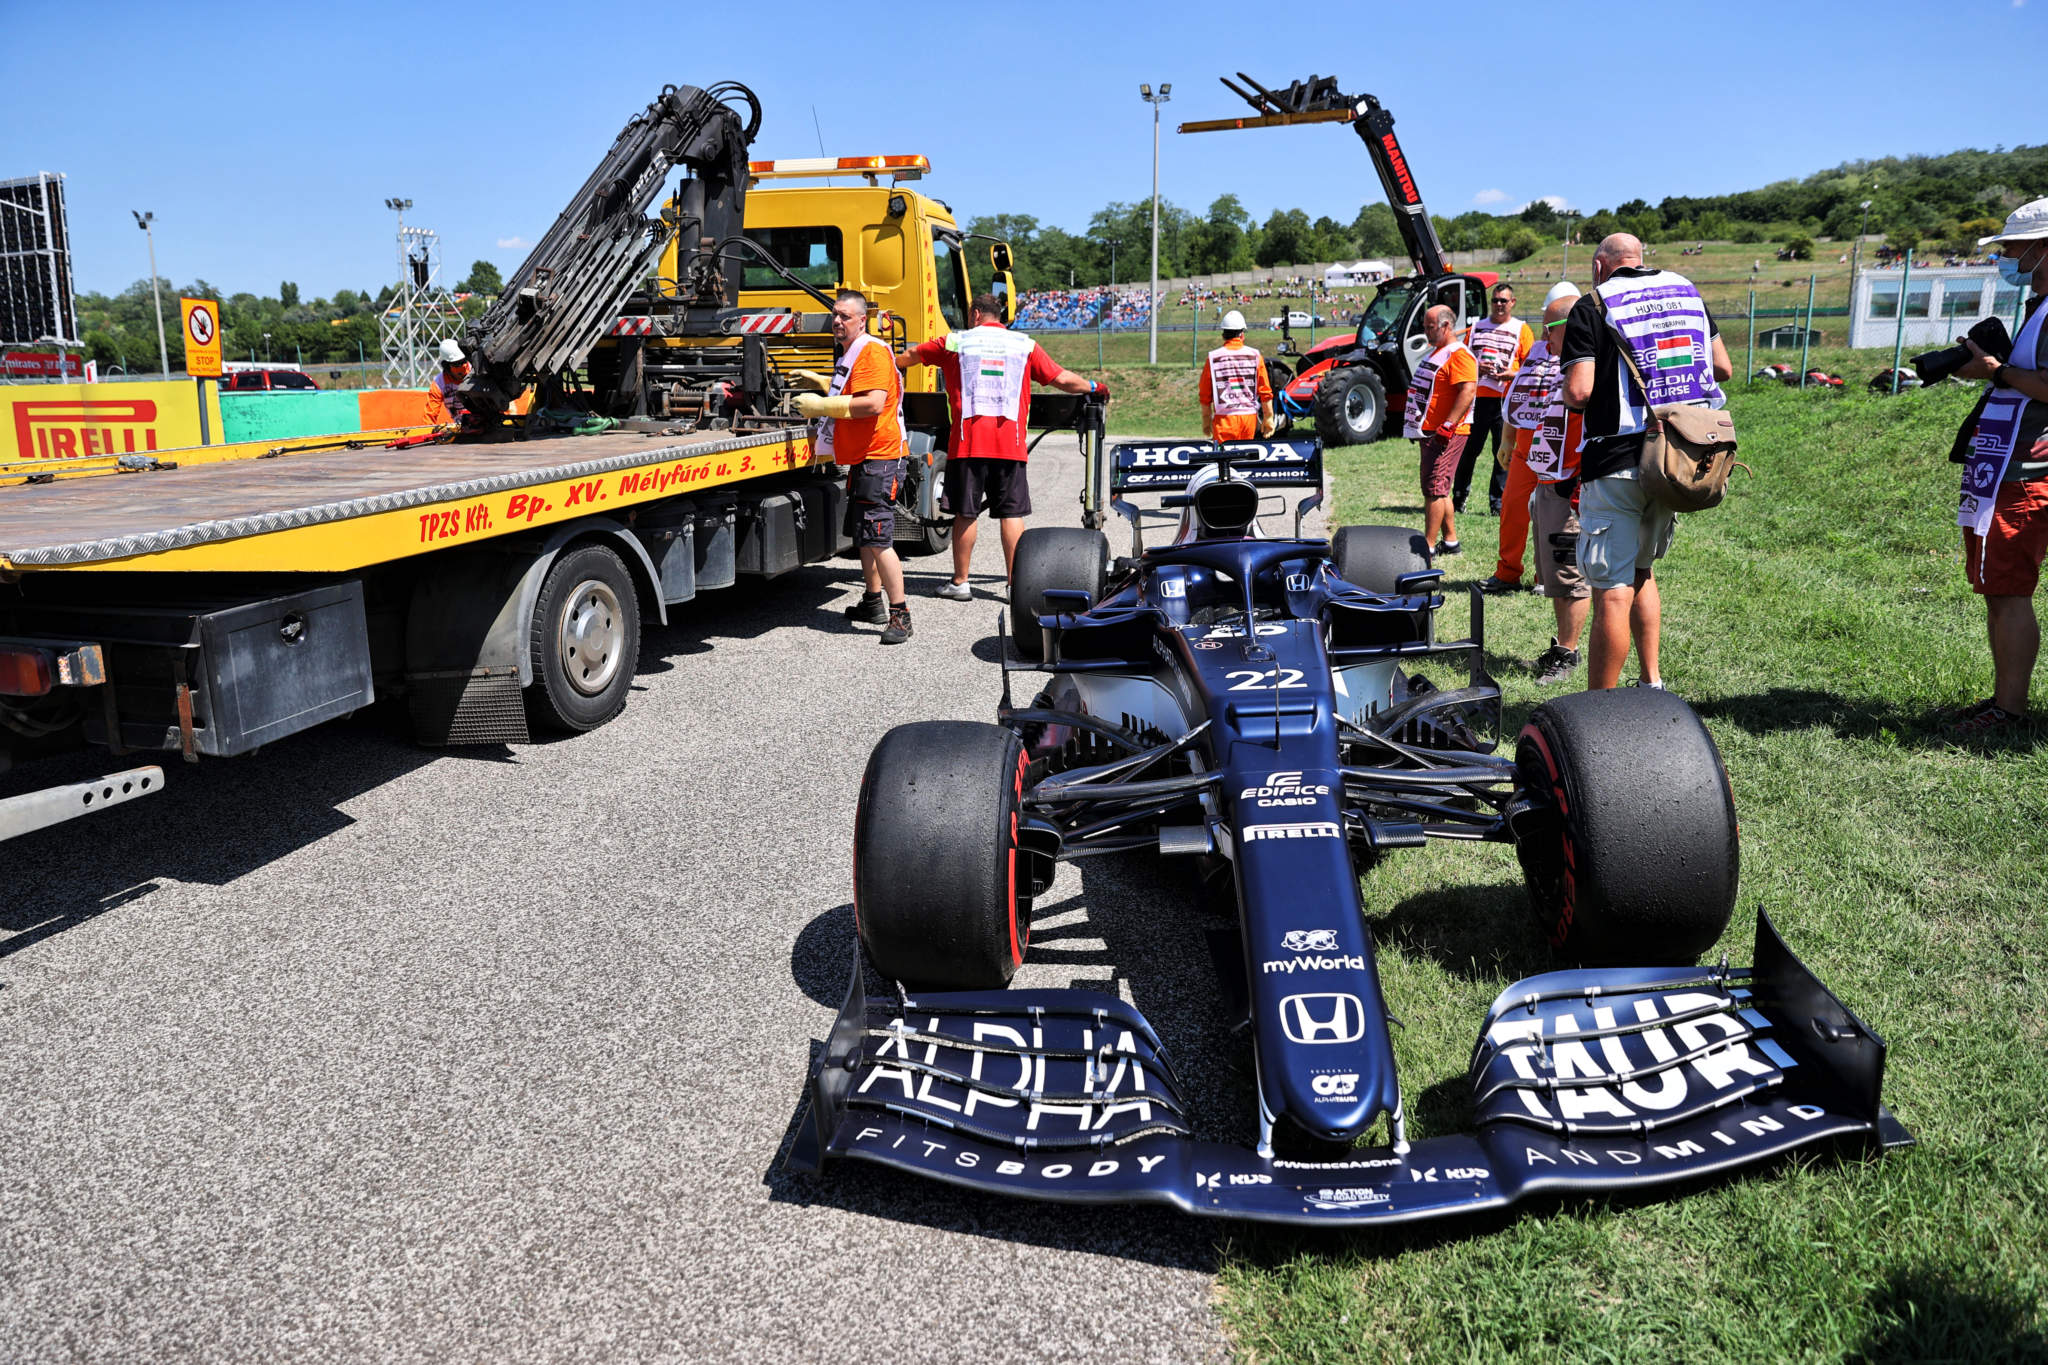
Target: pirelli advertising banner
(92, 421)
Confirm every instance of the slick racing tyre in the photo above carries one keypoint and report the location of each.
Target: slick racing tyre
(1052, 559)
(1373, 557)
(1351, 404)
(585, 641)
(1628, 839)
(935, 888)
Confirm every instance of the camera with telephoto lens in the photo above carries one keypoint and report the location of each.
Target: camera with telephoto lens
(1990, 335)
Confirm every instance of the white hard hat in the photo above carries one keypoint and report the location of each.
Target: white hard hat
(1233, 321)
(451, 352)
(2028, 221)
(1563, 289)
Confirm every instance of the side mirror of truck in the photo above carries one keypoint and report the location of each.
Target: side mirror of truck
(999, 257)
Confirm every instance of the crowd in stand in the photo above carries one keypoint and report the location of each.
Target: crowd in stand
(1063, 309)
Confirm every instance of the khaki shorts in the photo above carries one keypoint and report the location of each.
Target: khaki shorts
(1555, 525)
(1621, 532)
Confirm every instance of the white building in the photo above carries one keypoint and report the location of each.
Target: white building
(1937, 304)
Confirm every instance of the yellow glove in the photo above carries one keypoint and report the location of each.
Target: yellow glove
(810, 379)
(813, 405)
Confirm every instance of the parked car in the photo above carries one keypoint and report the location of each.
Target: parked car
(265, 381)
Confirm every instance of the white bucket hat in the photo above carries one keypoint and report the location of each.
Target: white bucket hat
(451, 352)
(1233, 321)
(1563, 289)
(2024, 224)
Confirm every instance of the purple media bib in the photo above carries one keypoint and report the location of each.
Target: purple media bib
(1663, 321)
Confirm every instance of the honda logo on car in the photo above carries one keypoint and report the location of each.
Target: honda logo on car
(1284, 789)
(1178, 456)
(1329, 1017)
(1310, 941)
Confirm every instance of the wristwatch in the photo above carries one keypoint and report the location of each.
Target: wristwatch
(1998, 379)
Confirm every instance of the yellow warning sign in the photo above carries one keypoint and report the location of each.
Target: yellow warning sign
(202, 338)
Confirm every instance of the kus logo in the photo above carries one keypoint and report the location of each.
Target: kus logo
(75, 429)
(1310, 941)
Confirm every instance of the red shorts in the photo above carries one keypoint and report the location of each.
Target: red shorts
(2006, 561)
(1440, 464)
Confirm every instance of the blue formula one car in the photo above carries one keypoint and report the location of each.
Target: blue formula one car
(1254, 705)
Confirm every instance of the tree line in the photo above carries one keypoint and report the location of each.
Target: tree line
(1945, 202)
(120, 329)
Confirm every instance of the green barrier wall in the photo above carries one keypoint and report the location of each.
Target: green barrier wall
(279, 416)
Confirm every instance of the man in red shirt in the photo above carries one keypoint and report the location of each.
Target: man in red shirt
(988, 370)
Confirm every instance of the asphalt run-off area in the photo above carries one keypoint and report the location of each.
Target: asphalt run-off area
(352, 1049)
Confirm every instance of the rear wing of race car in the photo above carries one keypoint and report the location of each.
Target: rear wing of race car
(1170, 466)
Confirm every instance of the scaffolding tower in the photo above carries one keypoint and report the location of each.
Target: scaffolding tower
(422, 314)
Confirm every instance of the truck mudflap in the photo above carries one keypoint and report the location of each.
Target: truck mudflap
(1582, 1081)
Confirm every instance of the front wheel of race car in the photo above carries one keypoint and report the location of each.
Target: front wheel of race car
(1052, 559)
(935, 892)
(1627, 835)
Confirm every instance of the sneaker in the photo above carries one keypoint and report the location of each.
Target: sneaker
(871, 610)
(1449, 547)
(899, 626)
(1494, 587)
(1556, 663)
(1657, 686)
(955, 592)
(1992, 722)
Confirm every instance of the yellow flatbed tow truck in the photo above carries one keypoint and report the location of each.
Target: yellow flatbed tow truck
(207, 603)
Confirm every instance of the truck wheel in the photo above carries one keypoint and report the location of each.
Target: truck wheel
(1052, 559)
(935, 897)
(585, 639)
(1629, 842)
(1373, 557)
(1350, 405)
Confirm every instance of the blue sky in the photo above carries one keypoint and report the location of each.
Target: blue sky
(266, 137)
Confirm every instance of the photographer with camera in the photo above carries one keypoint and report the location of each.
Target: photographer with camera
(2003, 449)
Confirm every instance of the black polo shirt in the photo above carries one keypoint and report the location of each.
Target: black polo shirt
(1588, 337)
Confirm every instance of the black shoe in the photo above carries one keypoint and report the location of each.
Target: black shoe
(1494, 506)
(1556, 663)
(871, 610)
(1448, 547)
(1496, 587)
(1458, 506)
(899, 626)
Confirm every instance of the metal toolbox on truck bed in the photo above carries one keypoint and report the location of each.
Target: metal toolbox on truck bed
(669, 531)
(224, 678)
(771, 533)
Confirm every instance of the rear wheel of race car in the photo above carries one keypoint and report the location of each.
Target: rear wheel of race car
(1374, 557)
(585, 641)
(1052, 559)
(935, 892)
(1629, 847)
(1350, 405)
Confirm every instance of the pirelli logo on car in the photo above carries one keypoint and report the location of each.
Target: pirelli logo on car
(1309, 829)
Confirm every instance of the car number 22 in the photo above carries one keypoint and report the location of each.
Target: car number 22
(1254, 679)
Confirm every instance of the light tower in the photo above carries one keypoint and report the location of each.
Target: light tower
(421, 314)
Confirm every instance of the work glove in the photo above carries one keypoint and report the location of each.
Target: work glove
(816, 405)
(1098, 389)
(810, 379)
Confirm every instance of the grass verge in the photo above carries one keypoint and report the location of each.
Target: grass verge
(1816, 620)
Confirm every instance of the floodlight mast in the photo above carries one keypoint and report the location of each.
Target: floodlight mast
(1317, 100)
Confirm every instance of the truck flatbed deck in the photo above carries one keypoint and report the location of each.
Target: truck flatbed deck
(335, 510)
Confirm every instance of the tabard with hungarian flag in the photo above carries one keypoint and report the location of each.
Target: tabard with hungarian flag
(1662, 319)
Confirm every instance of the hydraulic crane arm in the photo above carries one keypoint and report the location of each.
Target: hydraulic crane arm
(569, 290)
(1317, 100)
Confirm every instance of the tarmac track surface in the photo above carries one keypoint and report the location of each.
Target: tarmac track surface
(355, 1050)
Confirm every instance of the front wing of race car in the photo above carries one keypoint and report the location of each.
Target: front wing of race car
(1581, 1081)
